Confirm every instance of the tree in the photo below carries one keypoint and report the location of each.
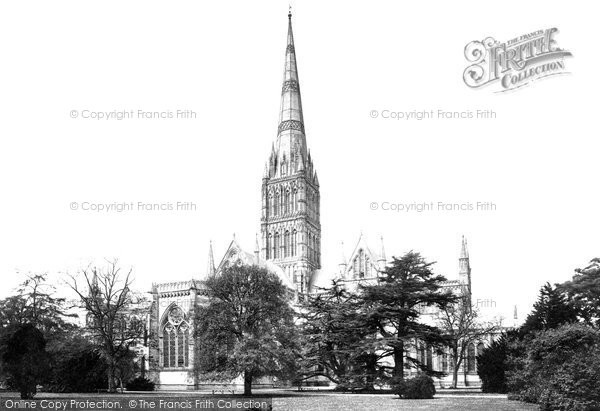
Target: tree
(406, 288)
(34, 303)
(76, 366)
(551, 310)
(334, 333)
(462, 327)
(247, 326)
(584, 291)
(492, 364)
(107, 298)
(26, 359)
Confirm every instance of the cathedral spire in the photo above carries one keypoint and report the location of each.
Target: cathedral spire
(290, 230)
(291, 140)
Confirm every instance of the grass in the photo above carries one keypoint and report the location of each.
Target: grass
(332, 401)
(327, 400)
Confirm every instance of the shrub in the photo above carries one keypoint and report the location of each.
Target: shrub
(140, 384)
(419, 387)
(76, 366)
(560, 369)
(25, 360)
(491, 366)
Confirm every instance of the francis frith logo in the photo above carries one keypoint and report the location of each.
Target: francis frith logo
(514, 63)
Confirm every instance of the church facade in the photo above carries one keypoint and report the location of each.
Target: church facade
(289, 244)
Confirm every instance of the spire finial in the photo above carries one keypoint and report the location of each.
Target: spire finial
(289, 11)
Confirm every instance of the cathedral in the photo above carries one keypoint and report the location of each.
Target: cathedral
(289, 244)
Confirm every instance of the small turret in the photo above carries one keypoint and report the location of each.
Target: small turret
(464, 266)
(382, 261)
(343, 263)
(210, 269)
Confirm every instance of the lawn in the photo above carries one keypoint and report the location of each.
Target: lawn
(331, 401)
(324, 400)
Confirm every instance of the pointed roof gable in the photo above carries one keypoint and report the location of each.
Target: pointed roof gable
(361, 244)
(236, 255)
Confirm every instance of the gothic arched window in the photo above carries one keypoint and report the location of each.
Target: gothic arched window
(294, 196)
(268, 245)
(429, 356)
(294, 240)
(176, 339)
(276, 205)
(286, 202)
(276, 245)
(471, 358)
(445, 361)
(286, 244)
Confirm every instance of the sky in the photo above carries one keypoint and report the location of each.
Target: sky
(536, 161)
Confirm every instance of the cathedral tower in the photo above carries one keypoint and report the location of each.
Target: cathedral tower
(290, 221)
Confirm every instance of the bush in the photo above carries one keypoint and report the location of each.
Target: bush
(560, 369)
(419, 387)
(492, 365)
(140, 384)
(76, 366)
(25, 360)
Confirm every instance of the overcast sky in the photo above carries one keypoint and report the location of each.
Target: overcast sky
(537, 161)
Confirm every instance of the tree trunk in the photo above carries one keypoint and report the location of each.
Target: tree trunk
(455, 376)
(456, 362)
(111, 377)
(143, 367)
(371, 369)
(247, 383)
(399, 361)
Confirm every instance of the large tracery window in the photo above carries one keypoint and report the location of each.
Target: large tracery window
(176, 339)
